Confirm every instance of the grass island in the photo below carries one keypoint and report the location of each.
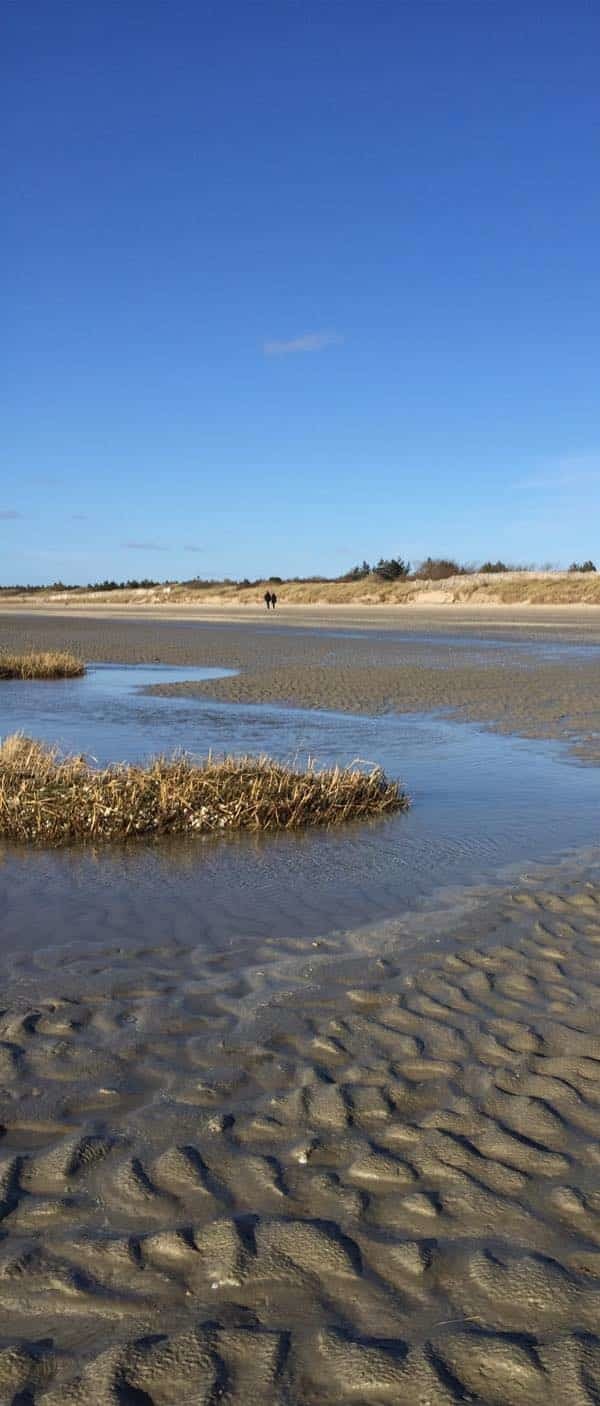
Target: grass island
(46, 664)
(54, 800)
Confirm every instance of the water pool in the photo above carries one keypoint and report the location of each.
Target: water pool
(481, 802)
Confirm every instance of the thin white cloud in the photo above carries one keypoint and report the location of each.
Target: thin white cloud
(144, 546)
(570, 472)
(308, 342)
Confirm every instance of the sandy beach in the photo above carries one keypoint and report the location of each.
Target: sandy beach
(364, 1168)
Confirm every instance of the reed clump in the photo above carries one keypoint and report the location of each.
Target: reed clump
(54, 800)
(47, 664)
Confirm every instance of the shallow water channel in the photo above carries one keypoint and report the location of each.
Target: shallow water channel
(481, 804)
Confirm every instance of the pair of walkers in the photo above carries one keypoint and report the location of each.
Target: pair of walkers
(270, 600)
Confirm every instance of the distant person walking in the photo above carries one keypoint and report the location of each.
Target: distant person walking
(268, 599)
(273, 600)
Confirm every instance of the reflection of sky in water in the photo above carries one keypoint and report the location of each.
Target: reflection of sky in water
(500, 640)
(468, 643)
(480, 802)
(102, 714)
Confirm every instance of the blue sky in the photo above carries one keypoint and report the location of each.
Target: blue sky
(291, 284)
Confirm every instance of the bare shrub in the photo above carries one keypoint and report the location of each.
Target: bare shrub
(438, 569)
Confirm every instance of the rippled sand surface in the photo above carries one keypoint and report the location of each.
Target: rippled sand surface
(382, 1187)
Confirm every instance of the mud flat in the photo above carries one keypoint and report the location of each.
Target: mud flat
(538, 679)
(383, 1188)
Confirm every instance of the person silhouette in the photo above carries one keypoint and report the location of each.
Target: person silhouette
(273, 600)
(268, 599)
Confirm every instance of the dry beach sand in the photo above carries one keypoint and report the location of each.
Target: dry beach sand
(367, 1175)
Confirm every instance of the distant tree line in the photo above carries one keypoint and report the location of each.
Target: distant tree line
(91, 586)
(132, 585)
(386, 569)
(397, 569)
(437, 569)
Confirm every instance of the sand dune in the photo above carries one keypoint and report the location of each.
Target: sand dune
(510, 588)
(386, 1189)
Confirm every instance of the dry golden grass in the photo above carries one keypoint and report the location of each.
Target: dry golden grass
(522, 588)
(45, 665)
(55, 801)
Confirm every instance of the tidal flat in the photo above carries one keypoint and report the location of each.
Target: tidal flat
(532, 672)
(312, 1120)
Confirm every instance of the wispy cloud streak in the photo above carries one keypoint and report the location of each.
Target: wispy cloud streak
(308, 342)
(145, 546)
(570, 472)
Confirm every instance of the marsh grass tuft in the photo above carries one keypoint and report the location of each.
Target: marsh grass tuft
(44, 665)
(52, 800)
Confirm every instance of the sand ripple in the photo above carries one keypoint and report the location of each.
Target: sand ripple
(387, 1192)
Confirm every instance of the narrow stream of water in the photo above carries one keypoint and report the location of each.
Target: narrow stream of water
(481, 802)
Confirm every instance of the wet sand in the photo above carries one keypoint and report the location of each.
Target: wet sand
(385, 1189)
(511, 682)
(368, 1176)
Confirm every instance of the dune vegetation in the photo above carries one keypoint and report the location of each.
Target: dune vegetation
(433, 583)
(45, 665)
(55, 800)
